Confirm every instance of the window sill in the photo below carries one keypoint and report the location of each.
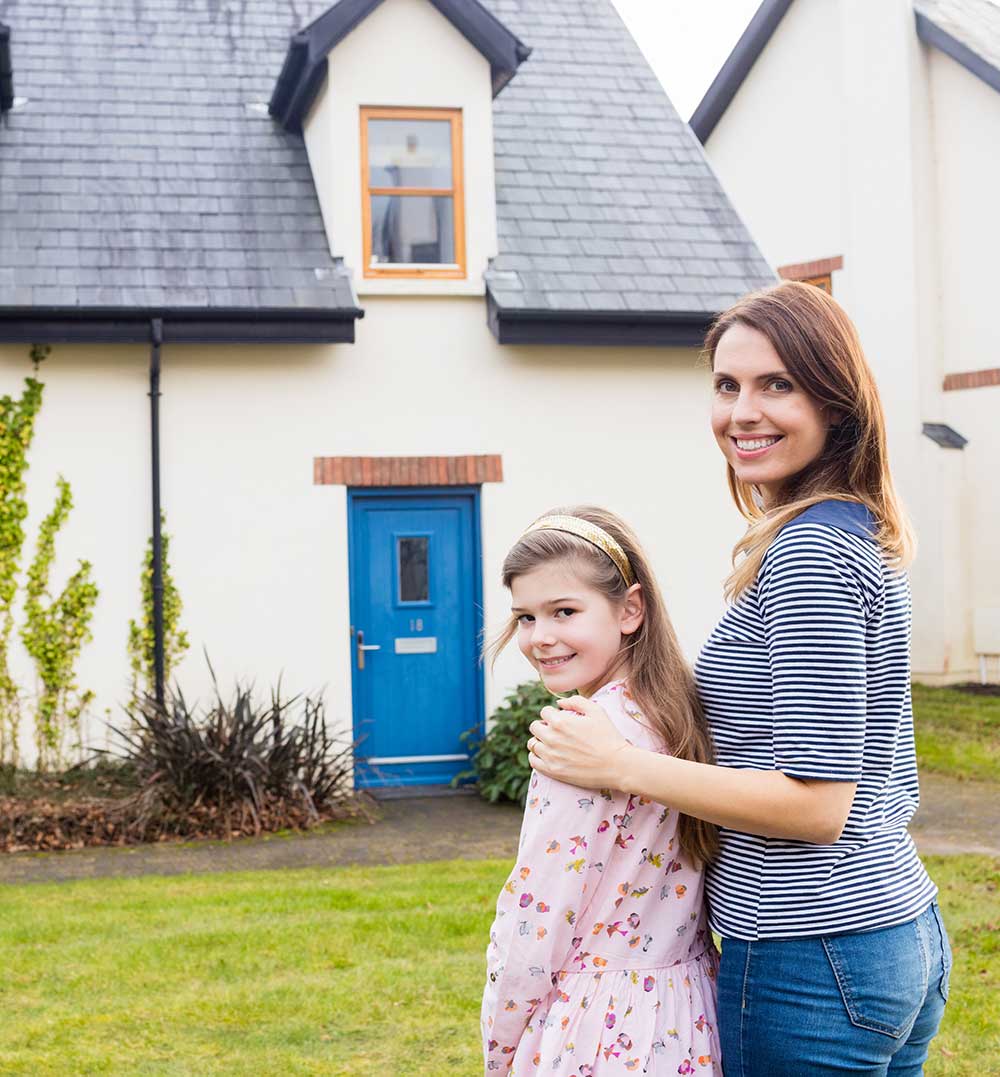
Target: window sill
(418, 286)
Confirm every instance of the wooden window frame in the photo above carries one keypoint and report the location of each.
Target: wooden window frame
(824, 281)
(420, 271)
(818, 273)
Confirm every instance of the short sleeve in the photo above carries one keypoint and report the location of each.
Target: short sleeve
(813, 601)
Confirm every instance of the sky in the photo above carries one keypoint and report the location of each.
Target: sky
(686, 43)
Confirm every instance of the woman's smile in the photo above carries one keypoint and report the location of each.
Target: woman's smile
(752, 448)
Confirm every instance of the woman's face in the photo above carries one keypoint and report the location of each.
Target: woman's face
(767, 426)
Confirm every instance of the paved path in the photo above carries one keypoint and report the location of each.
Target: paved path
(955, 817)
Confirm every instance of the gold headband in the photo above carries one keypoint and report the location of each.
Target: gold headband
(591, 533)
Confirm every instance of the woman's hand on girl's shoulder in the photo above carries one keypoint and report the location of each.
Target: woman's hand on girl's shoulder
(577, 743)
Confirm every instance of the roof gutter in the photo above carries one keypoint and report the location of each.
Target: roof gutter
(6, 71)
(75, 325)
(598, 328)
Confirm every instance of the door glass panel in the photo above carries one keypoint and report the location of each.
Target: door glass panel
(409, 153)
(413, 229)
(414, 578)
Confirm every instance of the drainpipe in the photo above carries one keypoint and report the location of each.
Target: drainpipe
(6, 72)
(156, 327)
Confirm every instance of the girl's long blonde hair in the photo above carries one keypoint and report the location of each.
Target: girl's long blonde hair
(820, 348)
(659, 679)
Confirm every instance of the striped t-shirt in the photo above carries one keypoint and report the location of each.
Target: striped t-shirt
(809, 673)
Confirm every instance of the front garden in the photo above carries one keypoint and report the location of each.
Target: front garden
(347, 972)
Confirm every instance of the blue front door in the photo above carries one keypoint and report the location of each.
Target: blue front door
(415, 627)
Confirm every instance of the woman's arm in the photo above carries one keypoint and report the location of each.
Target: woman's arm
(584, 748)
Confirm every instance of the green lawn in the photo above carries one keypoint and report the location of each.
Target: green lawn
(958, 733)
(357, 972)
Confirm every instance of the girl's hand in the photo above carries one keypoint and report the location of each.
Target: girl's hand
(578, 744)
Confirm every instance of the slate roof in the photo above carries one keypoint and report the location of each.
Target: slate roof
(136, 177)
(144, 172)
(605, 201)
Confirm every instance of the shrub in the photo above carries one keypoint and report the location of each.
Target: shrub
(247, 765)
(500, 759)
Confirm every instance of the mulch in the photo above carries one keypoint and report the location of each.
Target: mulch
(62, 821)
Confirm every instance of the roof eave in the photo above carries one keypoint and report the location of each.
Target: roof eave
(184, 325)
(932, 34)
(305, 65)
(598, 328)
(734, 71)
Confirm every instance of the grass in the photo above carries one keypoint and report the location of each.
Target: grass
(348, 972)
(958, 733)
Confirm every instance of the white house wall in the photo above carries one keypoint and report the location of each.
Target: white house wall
(404, 54)
(967, 133)
(259, 552)
(966, 119)
(779, 149)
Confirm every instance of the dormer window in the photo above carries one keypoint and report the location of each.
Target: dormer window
(413, 212)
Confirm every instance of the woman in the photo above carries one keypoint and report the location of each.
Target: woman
(834, 958)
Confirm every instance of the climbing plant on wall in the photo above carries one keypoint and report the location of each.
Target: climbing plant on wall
(141, 638)
(55, 629)
(17, 426)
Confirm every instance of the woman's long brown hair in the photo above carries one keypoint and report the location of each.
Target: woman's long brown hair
(821, 351)
(658, 678)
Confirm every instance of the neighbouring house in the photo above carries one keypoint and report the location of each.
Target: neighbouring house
(411, 272)
(861, 144)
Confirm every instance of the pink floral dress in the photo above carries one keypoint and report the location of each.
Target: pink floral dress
(600, 960)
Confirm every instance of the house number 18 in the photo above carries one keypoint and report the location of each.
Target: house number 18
(416, 624)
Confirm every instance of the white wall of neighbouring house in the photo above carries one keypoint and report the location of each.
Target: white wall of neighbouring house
(780, 147)
(259, 553)
(966, 115)
(829, 149)
(965, 112)
(404, 54)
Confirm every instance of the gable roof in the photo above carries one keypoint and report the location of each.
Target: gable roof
(967, 30)
(136, 181)
(144, 177)
(305, 64)
(612, 226)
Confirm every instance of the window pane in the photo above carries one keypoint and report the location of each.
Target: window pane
(413, 228)
(409, 153)
(414, 585)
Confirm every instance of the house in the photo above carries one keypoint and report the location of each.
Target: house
(404, 274)
(859, 143)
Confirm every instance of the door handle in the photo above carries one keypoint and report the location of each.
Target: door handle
(362, 647)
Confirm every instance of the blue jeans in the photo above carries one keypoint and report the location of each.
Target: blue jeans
(867, 1003)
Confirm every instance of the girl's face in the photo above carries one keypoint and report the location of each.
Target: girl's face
(767, 426)
(569, 631)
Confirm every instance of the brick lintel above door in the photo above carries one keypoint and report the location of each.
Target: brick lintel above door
(406, 470)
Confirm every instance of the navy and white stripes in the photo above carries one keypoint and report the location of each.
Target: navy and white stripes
(808, 673)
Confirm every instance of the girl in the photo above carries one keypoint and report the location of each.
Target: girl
(600, 960)
(834, 957)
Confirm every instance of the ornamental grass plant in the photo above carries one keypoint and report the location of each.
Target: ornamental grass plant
(239, 766)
